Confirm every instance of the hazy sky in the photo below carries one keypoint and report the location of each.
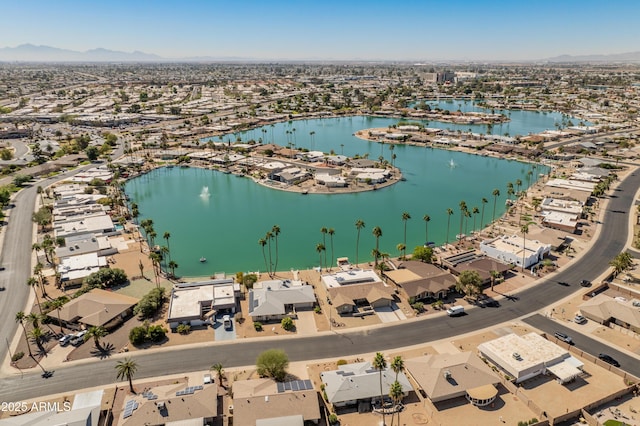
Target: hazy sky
(329, 29)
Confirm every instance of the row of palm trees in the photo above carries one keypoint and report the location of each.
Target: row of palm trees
(159, 255)
(272, 266)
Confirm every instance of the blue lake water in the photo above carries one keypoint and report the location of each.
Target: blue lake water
(225, 226)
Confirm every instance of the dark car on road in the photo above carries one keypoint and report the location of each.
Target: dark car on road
(585, 283)
(564, 283)
(609, 360)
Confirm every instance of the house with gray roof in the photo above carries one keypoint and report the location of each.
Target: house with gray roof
(275, 299)
(359, 382)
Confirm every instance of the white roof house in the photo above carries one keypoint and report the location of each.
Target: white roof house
(527, 356)
(512, 249)
(87, 416)
(560, 220)
(564, 206)
(330, 181)
(352, 383)
(189, 302)
(354, 276)
(275, 299)
(74, 269)
(572, 184)
(98, 224)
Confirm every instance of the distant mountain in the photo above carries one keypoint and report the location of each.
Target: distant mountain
(616, 57)
(32, 53)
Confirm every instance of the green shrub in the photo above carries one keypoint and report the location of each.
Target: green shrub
(341, 362)
(137, 335)
(257, 325)
(317, 310)
(418, 307)
(184, 328)
(156, 333)
(150, 303)
(333, 419)
(17, 356)
(287, 323)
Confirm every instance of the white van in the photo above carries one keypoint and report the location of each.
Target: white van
(455, 311)
(226, 321)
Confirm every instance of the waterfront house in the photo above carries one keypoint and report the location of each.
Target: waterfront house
(96, 308)
(347, 298)
(275, 299)
(194, 303)
(514, 249)
(421, 280)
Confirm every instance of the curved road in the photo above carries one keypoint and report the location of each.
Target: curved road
(595, 261)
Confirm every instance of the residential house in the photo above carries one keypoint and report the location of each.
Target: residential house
(351, 384)
(194, 303)
(514, 249)
(96, 308)
(264, 402)
(530, 355)
(74, 269)
(607, 310)
(447, 376)
(347, 298)
(421, 280)
(275, 299)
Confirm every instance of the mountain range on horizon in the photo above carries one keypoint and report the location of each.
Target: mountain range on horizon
(33, 53)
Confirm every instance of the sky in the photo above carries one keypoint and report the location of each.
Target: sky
(329, 29)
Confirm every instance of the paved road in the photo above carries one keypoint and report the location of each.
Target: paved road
(609, 243)
(594, 347)
(16, 255)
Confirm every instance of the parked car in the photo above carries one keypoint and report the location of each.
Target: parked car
(585, 283)
(609, 360)
(78, 338)
(563, 337)
(226, 321)
(64, 340)
(455, 311)
(579, 319)
(564, 283)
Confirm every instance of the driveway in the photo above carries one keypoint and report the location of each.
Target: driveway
(221, 333)
(306, 323)
(390, 313)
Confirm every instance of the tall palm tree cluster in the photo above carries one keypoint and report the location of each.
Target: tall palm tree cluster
(159, 255)
(272, 266)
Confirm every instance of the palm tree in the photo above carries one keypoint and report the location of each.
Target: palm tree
(467, 215)
(33, 283)
(37, 270)
(463, 210)
(96, 333)
(518, 185)
(173, 265)
(405, 217)
(126, 369)
(324, 231)
(141, 267)
(496, 194)
(402, 248)
(275, 230)
(359, 226)
(217, 367)
(262, 242)
(397, 365)
(525, 229)
(377, 232)
(484, 201)
(20, 318)
(38, 337)
(380, 364)
(449, 213)
(396, 394)
(268, 236)
(320, 248)
(331, 232)
(510, 191)
(166, 236)
(475, 212)
(426, 219)
(57, 304)
(529, 175)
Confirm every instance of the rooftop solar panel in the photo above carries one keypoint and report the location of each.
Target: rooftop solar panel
(280, 387)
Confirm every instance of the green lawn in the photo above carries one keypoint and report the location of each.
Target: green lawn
(612, 422)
